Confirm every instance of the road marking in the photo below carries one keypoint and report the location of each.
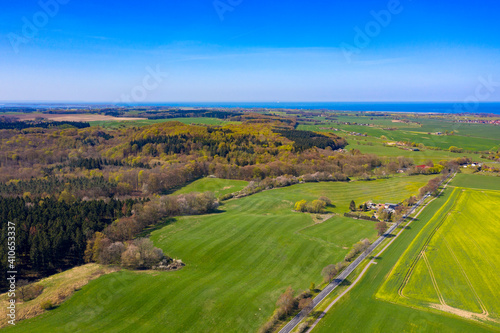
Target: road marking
(340, 296)
(349, 269)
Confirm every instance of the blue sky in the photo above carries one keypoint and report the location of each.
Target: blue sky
(249, 50)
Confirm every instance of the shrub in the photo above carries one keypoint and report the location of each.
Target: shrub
(112, 254)
(305, 303)
(47, 305)
(317, 206)
(286, 301)
(28, 292)
(360, 216)
(357, 248)
(131, 258)
(302, 328)
(300, 206)
(304, 294)
(141, 254)
(150, 255)
(329, 272)
(326, 200)
(226, 196)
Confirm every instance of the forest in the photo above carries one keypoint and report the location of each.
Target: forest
(52, 234)
(7, 123)
(66, 186)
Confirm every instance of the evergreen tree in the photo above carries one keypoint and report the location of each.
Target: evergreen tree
(352, 206)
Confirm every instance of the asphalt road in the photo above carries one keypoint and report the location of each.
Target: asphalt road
(345, 273)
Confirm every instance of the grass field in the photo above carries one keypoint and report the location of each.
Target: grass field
(56, 288)
(454, 267)
(339, 231)
(238, 263)
(216, 185)
(477, 181)
(376, 306)
(418, 156)
(463, 129)
(144, 122)
(474, 140)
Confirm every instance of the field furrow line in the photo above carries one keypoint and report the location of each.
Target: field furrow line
(424, 247)
(426, 244)
(481, 304)
(433, 279)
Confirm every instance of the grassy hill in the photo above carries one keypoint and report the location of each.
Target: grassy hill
(216, 185)
(238, 263)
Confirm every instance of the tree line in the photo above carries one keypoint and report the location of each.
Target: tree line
(52, 186)
(52, 234)
(304, 140)
(6, 123)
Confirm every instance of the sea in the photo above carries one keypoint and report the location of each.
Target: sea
(442, 107)
(421, 107)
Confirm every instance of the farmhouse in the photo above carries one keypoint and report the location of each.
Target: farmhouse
(390, 207)
(474, 164)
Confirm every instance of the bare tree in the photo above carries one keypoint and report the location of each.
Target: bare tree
(286, 301)
(329, 272)
(381, 227)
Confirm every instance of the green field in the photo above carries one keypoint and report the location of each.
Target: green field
(467, 136)
(478, 137)
(339, 231)
(418, 156)
(453, 264)
(375, 305)
(238, 263)
(137, 123)
(477, 181)
(216, 185)
(463, 129)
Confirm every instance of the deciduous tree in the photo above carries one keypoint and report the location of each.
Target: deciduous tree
(381, 227)
(286, 301)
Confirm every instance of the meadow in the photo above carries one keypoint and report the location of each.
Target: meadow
(478, 137)
(217, 186)
(427, 125)
(477, 182)
(419, 157)
(238, 262)
(376, 306)
(56, 287)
